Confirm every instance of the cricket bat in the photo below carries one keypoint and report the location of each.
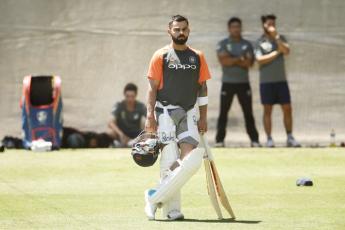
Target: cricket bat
(211, 189)
(214, 184)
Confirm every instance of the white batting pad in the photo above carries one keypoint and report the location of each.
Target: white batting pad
(169, 155)
(178, 177)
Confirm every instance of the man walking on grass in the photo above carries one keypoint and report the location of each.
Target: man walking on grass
(177, 82)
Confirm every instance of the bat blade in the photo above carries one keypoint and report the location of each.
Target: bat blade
(211, 189)
(217, 184)
(220, 190)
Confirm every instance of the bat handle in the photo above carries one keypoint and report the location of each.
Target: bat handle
(203, 141)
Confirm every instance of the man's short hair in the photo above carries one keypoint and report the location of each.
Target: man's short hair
(130, 87)
(266, 17)
(234, 20)
(178, 18)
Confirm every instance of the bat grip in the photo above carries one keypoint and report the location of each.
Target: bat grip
(204, 143)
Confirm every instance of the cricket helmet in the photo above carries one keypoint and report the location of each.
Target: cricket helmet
(146, 149)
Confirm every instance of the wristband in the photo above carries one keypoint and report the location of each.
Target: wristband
(202, 101)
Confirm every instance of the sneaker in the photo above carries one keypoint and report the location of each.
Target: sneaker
(175, 215)
(291, 142)
(219, 145)
(270, 143)
(131, 143)
(255, 144)
(150, 209)
(116, 144)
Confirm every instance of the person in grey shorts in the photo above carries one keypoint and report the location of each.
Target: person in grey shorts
(186, 124)
(270, 51)
(177, 90)
(236, 56)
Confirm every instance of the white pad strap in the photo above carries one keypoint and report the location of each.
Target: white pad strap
(178, 177)
(166, 128)
(202, 101)
(159, 105)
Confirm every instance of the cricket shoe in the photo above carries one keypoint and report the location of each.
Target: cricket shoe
(219, 145)
(175, 215)
(255, 144)
(116, 144)
(270, 143)
(291, 142)
(150, 209)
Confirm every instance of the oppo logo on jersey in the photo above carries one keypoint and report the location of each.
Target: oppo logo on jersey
(181, 66)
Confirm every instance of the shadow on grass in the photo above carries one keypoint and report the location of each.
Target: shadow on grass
(229, 220)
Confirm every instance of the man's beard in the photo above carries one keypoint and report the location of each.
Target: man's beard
(179, 41)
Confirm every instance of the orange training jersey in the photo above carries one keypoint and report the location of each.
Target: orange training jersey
(180, 75)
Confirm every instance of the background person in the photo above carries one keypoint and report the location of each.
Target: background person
(128, 117)
(270, 51)
(74, 138)
(236, 56)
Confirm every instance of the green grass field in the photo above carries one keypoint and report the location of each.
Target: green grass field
(103, 189)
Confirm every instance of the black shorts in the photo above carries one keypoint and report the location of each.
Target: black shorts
(275, 93)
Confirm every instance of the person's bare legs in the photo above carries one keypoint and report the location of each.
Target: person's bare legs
(268, 119)
(122, 140)
(112, 134)
(288, 123)
(287, 112)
